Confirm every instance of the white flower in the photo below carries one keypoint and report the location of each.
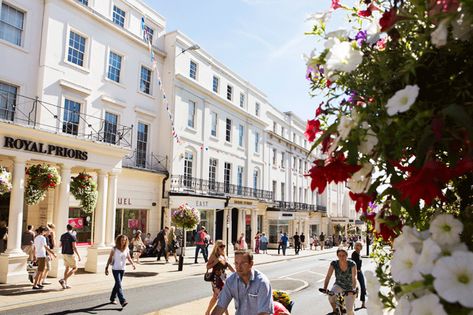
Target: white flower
(446, 230)
(439, 36)
(368, 143)
(402, 100)
(372, 283)
(454, 278)
(430, 252)
(373, 31)
(403, 306)
(403, 265)
(375, 306)
(428, 304)
(319, 18)
(339, 34)
(409, 236)
(343, 57)
(345, 126)
(360, 180)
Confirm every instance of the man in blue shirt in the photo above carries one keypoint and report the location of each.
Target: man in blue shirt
(249, 287)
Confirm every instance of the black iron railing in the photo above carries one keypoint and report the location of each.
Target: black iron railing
(321, 208)
(182, 183)
(32, 112)
(146, 161)
(294, 206)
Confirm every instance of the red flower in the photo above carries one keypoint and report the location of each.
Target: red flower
(326, 143)
(463, 166)
(365, 13)
(334, 169)
(49, 175)
(319, 110)
(443, 6)
(425, 183)
(388, 19)
(361, 201)
(328, 83)
(389, 230)
(335, 4)
(312, 128)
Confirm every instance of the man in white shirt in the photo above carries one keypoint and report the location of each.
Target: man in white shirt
(41, 247)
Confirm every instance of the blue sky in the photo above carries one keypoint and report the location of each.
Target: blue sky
(260, 40)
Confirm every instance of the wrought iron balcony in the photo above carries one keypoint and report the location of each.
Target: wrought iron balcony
(321, 208)
(182, 184)
(294, 206)
(69, 119)
(138, 159)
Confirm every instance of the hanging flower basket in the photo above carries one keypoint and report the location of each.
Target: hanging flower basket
(186, 217)
(5, 181)
(84, 189)
(40, 178)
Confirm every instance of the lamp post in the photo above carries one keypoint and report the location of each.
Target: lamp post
(193, 47)
(228, 228)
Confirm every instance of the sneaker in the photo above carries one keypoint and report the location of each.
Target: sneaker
(62, 283)
(113, 302)
(40, 286)
(36, 287)
(124, 304)
(68, 287)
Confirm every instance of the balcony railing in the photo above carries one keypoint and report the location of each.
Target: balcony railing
(294, 206)
(146, 161)
(183, 183)
(32, 112)
(321, 208)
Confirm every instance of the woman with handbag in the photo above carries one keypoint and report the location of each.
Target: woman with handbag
(138, 246)
(218, 262)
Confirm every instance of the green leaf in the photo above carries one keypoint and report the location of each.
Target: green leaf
(460, 116)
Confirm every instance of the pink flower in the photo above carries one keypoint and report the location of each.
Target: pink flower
(335, 5)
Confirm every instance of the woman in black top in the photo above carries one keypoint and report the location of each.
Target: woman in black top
(355, 256)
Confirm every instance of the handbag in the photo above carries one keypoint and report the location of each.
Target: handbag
(209, 276)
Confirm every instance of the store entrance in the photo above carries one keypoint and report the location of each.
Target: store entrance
(219, 223)
(128, 221)
(234, 225)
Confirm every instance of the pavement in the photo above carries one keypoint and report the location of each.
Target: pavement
(148, 272)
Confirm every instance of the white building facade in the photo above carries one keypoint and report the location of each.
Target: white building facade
(78, 92)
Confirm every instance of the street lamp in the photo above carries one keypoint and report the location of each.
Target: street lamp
(193, 47)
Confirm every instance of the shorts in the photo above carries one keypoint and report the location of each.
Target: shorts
(41, 261)
(69, 261)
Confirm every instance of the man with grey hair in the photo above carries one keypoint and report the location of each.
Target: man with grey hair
(249, 287)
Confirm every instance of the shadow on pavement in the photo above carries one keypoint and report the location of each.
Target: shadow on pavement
(14, 290)
(89, 310)
(140, 274)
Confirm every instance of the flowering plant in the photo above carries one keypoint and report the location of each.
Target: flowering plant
(5, 181)
(40, 178)
(396, 125)
(84, 189)
(431, 272)
(185, 217)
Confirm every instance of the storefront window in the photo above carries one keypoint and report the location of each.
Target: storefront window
(275, 228)
(128, 221)
(207, 219)
(314, 229)
(82, 225)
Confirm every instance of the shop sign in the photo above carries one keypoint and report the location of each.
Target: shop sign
(43, 148)
(133, 223)
(198, 203)
(123, 201)
(243, 202)
(76, 223)
(286, 216)
(339, 221)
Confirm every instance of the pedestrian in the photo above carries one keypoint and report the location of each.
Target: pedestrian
(172, 243)
(284, 241)
(41, 248)
(218, 262)
(281, 234)
(242, 242)
(138, 246)
(302, 241)
(249, 287)
(297, 243)
(159, 244)
(200, 244)
(117, 258)
(257, 242)
(207, 242)
(322, 240)
(27, 241)
(3, 236)
(51, 241)
(311, 241)
(356, 257)
(68, 248)
(264, 243)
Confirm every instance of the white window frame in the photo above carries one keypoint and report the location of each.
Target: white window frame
(229, 92)
(85, 66)
(122, 61)
(257, 141)
(242, 100)
(257, 109)
(214, 124)
(150, 80)
(241, 135)
(22, 30)
(275, 156)
(228, 132)
(191, 120)
(125, 18)
(196, 72)
(215, 87)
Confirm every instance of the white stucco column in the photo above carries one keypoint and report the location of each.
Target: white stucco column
(13, 260)
(111, 208)
(254, 227)
(101, 209)
(15, 217)
(61, 209)
(240, 226)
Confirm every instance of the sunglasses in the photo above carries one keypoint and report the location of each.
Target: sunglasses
(222, 246)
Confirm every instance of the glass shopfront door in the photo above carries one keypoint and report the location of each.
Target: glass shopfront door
(128, 221)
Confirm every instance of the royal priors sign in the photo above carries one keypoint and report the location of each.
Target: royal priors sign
(43, 148)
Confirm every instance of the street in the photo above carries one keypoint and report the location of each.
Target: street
(304, 275)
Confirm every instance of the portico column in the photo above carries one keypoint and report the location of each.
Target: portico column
(15, 217)
(61, 211)
(101, 210)
(254, 227)
(240, 224)
(111, 208)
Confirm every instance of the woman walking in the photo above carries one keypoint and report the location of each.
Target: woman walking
(138, 246)
(257, 242)
(242, 242)
(356, 257)
(118, 256)
(264, 243)
(172, 243)
(218, 262)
